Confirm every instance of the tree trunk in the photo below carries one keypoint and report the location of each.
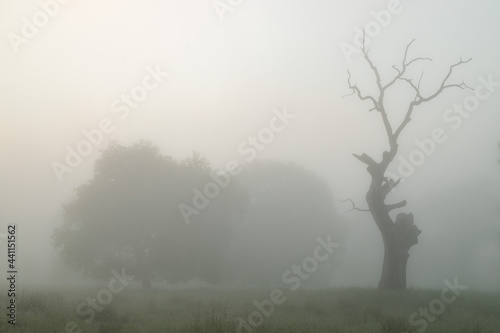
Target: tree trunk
(394, 267)
(398, 236)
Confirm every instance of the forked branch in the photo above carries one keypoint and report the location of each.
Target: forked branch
(378, 101)
(355, 90)
(419, 99)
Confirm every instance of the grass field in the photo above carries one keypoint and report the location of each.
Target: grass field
(216, 311)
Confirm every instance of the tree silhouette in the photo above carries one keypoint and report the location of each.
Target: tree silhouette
(289, 208)
(398, 234)
(127, 216)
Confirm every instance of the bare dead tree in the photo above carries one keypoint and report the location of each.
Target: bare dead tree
(401, 234)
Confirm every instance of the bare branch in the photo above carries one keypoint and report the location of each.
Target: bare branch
(379, 104)
(378, 101)
(399, 72)
(375, 71)
(419, 99)
(444, 85)
(406, 50)
(417, 59)
(404, 65)
(354, 208)
(355, 90)
(416, 88)
(365, 159)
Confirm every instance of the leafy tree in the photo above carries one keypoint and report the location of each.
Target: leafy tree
(128, 215)
(399, 234)
(289, 209)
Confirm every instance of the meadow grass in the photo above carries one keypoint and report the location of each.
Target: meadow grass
(211, 310)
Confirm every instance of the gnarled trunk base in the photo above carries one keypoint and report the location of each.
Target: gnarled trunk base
(398, 236)
(397, 243)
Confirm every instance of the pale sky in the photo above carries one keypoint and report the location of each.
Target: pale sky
(225, 79)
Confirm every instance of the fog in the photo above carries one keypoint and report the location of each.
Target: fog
(217, 77)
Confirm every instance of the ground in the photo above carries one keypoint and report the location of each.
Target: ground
(219, 310)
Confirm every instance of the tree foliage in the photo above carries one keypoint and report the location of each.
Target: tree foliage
(289, 208)
(127, 216)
